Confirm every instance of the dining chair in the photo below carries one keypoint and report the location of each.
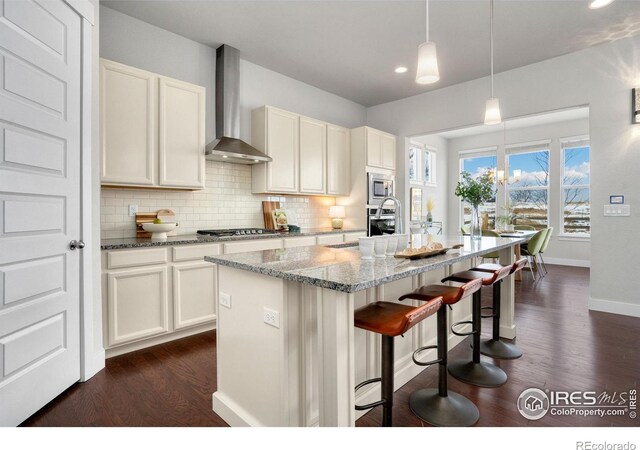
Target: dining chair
(523, 228)
(532, 250)
(492, 255)
(544, 247)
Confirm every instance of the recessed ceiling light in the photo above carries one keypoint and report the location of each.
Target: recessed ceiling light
(595, 4)
(224, 156)
(401, 69)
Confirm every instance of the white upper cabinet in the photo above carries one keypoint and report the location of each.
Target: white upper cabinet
(388, 151)
(379, 147)
(309, 156)
(313, 156)
(374, 151)
(276, 133)
(128, 122)
(152, 129)
(182, 134)
(338, 160)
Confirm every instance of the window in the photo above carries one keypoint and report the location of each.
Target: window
(476, 163)
(576, 179)
(421, 164)
(528, 193)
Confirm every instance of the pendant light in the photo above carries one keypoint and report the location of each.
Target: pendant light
(492, 111)
(427, 72)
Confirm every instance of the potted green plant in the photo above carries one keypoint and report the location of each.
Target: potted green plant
(508, 219)
(476, 191)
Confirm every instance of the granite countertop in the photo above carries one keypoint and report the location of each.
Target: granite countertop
(120, 243)
(341, 269)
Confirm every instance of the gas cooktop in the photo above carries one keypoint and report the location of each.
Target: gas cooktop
(237, 232)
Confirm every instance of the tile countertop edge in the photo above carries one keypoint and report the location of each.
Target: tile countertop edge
(350, 287)
(189, 239)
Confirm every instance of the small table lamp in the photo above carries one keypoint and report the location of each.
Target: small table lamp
(336, 213)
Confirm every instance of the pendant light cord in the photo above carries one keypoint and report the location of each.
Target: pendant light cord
(491, 28)
(426, 7)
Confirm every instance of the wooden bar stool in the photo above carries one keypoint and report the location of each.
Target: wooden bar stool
(476, 372)
(495, 347)
(389, 320)
(441, 407)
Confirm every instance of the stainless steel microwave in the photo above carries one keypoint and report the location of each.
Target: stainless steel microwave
(379, 186)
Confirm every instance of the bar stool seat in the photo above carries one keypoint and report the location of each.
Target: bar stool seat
(475, 371)
(389, 320)
(441, 407)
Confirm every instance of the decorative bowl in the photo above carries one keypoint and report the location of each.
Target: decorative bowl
(158, 230)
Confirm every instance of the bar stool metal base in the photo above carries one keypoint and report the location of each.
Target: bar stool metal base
(478, 374)
(500, 349)
(454, 410)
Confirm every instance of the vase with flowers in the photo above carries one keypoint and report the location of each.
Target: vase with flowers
(430, 205)
(476, 191)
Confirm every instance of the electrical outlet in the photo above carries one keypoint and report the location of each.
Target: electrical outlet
(225, 300)
(272, 317)
(133, 210)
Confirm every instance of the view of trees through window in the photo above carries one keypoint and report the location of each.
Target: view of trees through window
(575, 190)
(529, 196)
(476, 166)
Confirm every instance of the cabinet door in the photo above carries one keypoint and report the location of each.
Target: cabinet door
(194, 291)
(137, 304)
(374, 156)
(338, 160)
(388, 150)
(128, 117)
(282, 146)
(181, 134)
(313, 156)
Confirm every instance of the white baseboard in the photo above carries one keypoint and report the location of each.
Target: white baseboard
(231, 413)
(568, 262)
(608, 306)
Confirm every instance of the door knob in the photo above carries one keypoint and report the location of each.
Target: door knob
(76, 244)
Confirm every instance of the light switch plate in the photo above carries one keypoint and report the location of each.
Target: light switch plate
(617, 210)
(225, 300)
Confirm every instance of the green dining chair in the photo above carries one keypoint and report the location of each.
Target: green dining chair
(544, 247)
(523, 228)
(532, 250)
(465, 229)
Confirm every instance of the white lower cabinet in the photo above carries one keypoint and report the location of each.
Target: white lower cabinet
(325, 239)
(137, 304)
(194, 294)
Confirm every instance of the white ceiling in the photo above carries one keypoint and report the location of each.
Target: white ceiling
(517, 123)
(351, 47)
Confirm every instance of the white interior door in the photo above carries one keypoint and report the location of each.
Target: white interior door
(40, 86)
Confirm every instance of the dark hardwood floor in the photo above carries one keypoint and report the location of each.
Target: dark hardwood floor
(565, 346)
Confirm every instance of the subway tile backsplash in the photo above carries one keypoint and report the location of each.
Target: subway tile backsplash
(226, 202)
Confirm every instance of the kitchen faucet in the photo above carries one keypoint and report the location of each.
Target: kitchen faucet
(398, 212)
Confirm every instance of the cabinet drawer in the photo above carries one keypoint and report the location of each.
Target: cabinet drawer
(299, 241)
(351, 237)
(139, 257)
(330, 239)
(252, 246)
(193, 252)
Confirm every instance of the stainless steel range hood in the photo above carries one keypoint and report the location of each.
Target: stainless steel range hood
(227, 146)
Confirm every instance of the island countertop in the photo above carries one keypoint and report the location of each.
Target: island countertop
(342, 269)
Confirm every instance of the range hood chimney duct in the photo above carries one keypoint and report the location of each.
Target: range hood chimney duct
(227, 147)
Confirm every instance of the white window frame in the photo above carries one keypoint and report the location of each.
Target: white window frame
(529, 147)
(468, 154)
(570, 143)
(424, 153)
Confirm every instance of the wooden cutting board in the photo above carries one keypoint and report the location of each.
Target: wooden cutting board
(144, 218)
(267, 210)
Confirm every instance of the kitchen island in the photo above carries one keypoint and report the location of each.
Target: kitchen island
(288, 353)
